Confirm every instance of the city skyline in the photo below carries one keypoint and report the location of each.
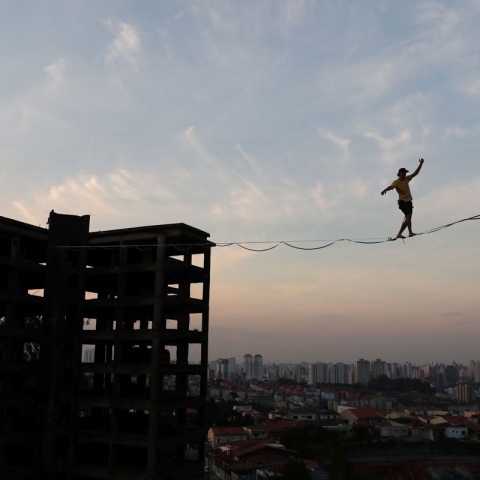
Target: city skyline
(270, 362)
(263, 121)
(360, 372)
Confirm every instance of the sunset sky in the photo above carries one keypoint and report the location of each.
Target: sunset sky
(261, 121)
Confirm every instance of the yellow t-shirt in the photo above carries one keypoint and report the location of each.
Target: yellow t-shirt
(402, 188)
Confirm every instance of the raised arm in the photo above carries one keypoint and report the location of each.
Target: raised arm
(416, 172)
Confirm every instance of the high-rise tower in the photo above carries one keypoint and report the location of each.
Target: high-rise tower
(258, 367)
(248, 366)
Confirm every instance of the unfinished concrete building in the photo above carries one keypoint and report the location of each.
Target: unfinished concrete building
(103, 350)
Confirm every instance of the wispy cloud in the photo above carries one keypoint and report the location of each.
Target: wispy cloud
(118, 196)
(248, 199)
(125, 47)
(292, 15)
(195, 143)
(442, 18)
(390, 146)
(340, 142)
(247, 156)
(55, 72)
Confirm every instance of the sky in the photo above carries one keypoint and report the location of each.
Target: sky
(265, 121)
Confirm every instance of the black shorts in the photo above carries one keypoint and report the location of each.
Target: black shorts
(405, 207)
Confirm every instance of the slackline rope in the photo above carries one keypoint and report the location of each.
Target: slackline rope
(288, 243)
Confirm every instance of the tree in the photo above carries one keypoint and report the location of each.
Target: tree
(233, 396)
(295, 470)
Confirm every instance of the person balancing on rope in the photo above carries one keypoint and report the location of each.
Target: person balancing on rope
(404, 197)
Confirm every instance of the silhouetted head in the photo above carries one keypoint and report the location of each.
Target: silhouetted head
(402, 173)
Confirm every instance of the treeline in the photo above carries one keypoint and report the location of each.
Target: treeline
(382, 382)
(314, 442)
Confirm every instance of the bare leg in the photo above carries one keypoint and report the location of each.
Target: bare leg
(407, 223)
(402, 228)
(409, 226)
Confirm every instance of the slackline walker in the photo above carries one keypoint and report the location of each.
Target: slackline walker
(401, 185)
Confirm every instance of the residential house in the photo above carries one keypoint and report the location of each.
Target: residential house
(302, 414)
(421, 431)
(389, 429)
(362, 417)
(243, 459)
(455, 431)
(472, 426)
(328, 415)
(256, 432)
(222, 435)
(361, 414)
(250, 454)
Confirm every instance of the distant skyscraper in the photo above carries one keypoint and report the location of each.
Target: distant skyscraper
(222, 369)
(232, 366)
(362, 371)
(476, 371)
(395, 370)
(258, 367)
(451, 375)
(248, 366)
(312, 378)
(465, 393)
(332, 373)
(378, 368)
(321, 372)
(273, 372)
(407, 370)
(341, 373)
(351, 374)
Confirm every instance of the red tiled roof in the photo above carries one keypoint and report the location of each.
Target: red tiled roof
(420, 419)
(273, 426)
(363, 413)
(238, 444)
(463, 422)
(259, 445)
(420, 424)
(240, 452)
(279, 426)
(274, 466)
(258, 415)
(384, 423)
(266, 458)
